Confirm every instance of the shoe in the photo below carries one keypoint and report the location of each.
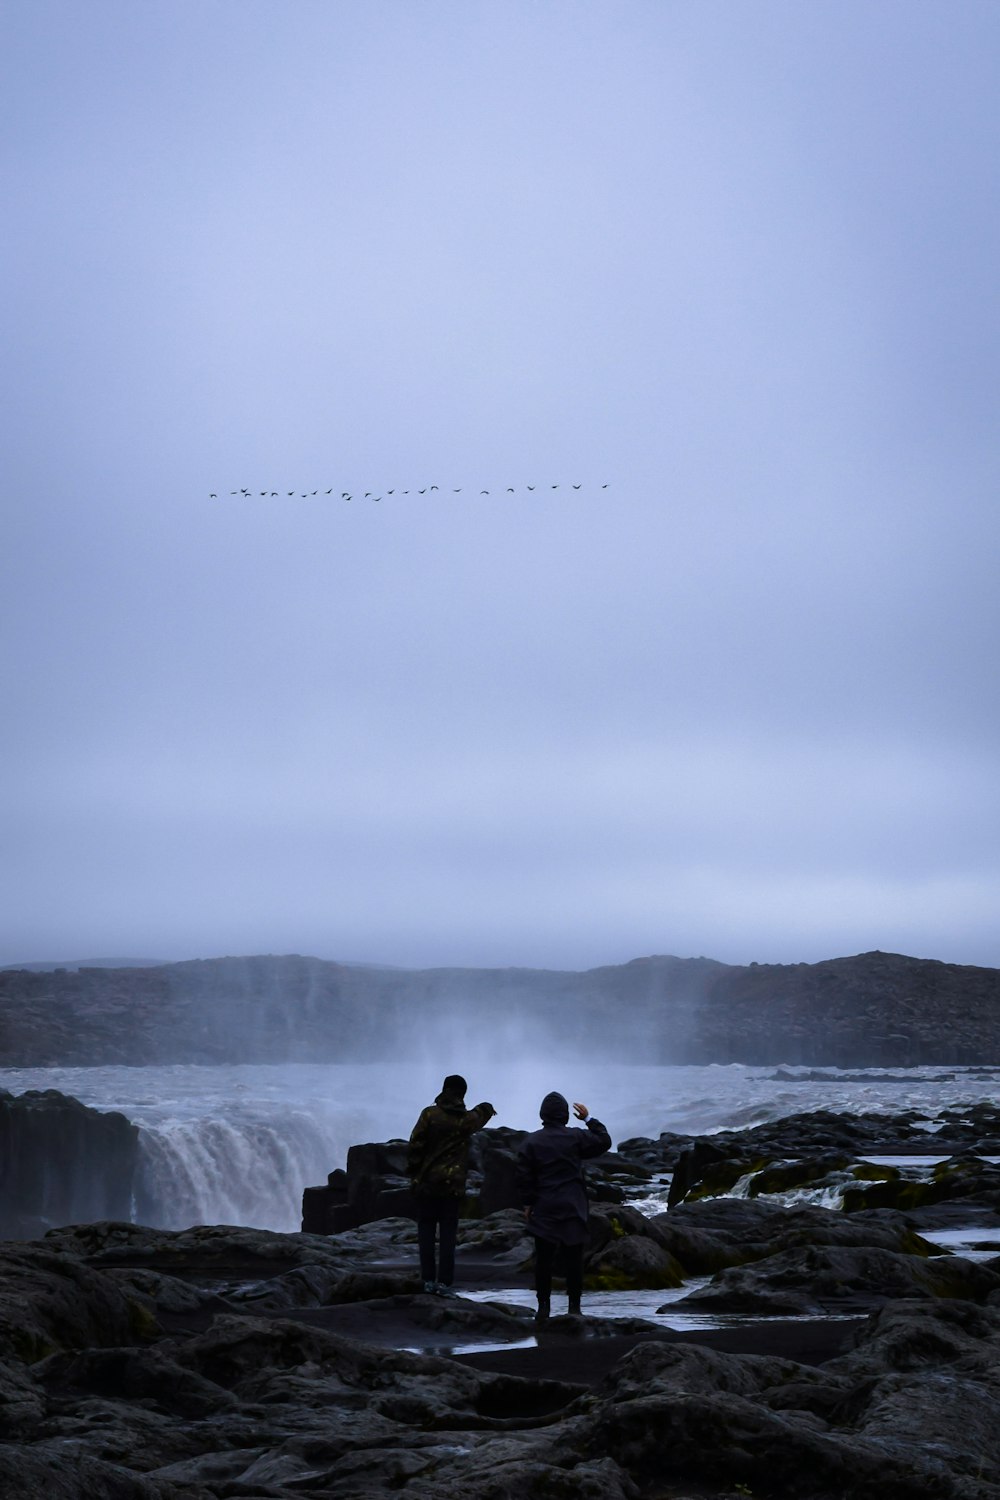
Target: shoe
(430, 1286)
(445, 1291)
(573, 1310)
(544, 1308)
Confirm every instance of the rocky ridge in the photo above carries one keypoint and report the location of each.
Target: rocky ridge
(876, 1009)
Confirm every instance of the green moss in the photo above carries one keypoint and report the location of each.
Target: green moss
(608, 1279)
(719, 1179)
(951, 1171)
(901, 1194)
(29, 1347)
(784, 1176)
(142, 1322)
(912, 1243)
(867, 1171)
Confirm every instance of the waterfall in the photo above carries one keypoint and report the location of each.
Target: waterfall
(248, 1170)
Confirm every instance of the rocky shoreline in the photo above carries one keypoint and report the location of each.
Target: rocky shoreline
(844, 1352)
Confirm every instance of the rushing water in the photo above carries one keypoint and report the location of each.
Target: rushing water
(238, 1144)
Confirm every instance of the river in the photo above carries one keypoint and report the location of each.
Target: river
(238, 1144)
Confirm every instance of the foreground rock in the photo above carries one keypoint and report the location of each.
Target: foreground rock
(226, 1364)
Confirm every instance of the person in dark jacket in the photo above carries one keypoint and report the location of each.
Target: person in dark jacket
(550, 1181)
(437, 1166)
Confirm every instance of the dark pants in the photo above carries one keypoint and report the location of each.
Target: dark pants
(433, 1215)
(572, 1259)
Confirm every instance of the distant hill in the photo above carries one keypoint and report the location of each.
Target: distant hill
(48, 966)
(876, 1009)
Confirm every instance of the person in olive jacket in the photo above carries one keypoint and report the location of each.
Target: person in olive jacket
(437, 1166)
(550, 1181)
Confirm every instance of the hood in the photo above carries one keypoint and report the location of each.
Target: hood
(452, 1102)
(554, 1110)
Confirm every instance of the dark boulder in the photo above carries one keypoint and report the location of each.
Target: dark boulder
(62, 1162)
(830, 1278)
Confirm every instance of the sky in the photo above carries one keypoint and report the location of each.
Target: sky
(729, 267)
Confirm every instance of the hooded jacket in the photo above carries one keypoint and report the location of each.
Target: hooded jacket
(550, 1173)
(438, 1156)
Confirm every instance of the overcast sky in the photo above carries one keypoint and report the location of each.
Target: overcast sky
(737, 260)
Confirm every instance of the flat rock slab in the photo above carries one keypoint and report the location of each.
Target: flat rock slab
(586, 1361)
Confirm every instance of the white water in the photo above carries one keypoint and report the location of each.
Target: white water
(238, 1144)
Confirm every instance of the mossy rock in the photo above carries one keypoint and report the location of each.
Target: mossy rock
(720, 1179)
(635, 1263)
(901, 1193)
(957, 1170)
(868, 1171)
(784, 1176)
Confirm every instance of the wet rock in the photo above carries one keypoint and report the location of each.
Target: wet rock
(835, 1277)
(709, 1235)
(39, 1474)
(269, 1407)
(634, 1262)
(320, 1286)
(22, 1403)
(963, 1177)
(51, 1301)
(801, 1149)
(731, 1440)
(62, 1162)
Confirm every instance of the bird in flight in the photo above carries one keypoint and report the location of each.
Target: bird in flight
(370, 494)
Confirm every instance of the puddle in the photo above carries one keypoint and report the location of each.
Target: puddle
(965, 1242)
(619, 1305)
(921, 1162)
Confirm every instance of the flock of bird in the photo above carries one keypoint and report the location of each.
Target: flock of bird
(370, 494)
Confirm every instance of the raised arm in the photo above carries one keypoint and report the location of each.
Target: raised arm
(596, 1141)
(477, 1117)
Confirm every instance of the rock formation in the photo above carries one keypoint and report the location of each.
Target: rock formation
(61, 1162)
(226, 1364)
(877, 1009)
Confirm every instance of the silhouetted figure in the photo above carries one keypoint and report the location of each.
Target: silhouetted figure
(437, 1166)
(550, 1182)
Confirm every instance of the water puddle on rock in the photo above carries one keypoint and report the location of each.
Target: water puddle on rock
(615, 1306)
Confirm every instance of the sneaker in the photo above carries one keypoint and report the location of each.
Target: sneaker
(430, 1286)
(446, 1291)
